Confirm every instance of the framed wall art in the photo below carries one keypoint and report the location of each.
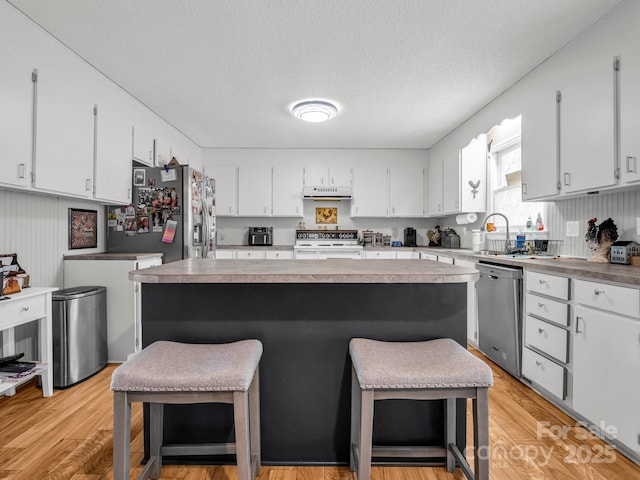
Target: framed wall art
(83, 228)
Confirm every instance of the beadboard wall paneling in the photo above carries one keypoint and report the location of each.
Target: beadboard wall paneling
(36, 228)
(622, 207)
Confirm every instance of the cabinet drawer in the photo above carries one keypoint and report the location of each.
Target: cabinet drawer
(18, 311)
(546, 373)
(552, 310)
(550, 285)
(384, 254)
(612, 298)
(279, 254)
(547, 338)
(251, 255)
(225, 254)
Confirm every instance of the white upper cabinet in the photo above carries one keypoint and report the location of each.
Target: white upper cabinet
(16, 98)
(465, 178)
(406, 192)
(540, 144)
(226, 178)
(287, 192)
(435, 174)
(143, 135)
(587, 141)
(112, 173)
(370, 192)
(254, 191)
(64, 122)
(323, 176)
(629, 94)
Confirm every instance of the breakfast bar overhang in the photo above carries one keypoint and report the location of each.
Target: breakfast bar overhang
(305, 313)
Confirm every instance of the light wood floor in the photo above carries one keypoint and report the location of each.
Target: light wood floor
(69, 436)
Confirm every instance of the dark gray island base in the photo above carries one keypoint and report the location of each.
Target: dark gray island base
(305, 376)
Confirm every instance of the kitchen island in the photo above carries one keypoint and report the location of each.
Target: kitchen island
(305, 313)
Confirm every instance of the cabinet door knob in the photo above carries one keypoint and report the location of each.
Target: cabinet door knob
(542, 282)
(540, 305)
(597, 291)
(26, 309)
(541, 331)
(538, 363)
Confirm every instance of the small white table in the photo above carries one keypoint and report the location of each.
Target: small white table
(32, 304)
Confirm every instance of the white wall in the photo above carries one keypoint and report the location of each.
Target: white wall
(233, 231)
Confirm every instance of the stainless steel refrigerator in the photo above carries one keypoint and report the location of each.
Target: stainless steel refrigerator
(173, 212)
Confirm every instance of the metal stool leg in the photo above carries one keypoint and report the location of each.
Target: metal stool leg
(121, 435)
(241, 420)
(481, 433)
(156, 420)
(450, 432)
(365, 435)
(354, 443)
(254, 422)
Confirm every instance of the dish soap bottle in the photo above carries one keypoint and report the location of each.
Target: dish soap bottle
(539, 224)
(529, 223)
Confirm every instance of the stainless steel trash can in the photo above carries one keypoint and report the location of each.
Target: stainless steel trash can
(79, 334)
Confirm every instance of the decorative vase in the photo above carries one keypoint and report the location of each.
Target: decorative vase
(599, 252)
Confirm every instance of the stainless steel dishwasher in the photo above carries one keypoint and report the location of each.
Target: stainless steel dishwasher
(500, 315)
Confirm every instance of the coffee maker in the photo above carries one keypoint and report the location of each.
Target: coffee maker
(410, 237)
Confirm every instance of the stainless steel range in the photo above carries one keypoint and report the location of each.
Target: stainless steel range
(325, 244)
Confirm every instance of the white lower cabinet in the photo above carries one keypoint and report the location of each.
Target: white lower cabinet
(225, 254)
(404, 255)
(124, 308)
(379, 254)
(250, 255)
(472, 304)
(279, 254)
(545, 356)
(544, 372)
(606, 372)
(428, 256)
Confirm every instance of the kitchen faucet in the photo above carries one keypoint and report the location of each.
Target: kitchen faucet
(507, 244)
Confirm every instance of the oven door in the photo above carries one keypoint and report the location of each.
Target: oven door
(339, 253)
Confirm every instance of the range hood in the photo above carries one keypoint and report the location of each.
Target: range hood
(327, 193)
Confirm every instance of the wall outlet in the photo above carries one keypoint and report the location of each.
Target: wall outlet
(573, 229)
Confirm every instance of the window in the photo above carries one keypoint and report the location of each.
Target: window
(505, 179)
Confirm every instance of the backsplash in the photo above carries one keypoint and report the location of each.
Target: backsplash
(233, 230)
(622, 207)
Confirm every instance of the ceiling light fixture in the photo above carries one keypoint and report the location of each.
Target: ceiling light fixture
(314, 111)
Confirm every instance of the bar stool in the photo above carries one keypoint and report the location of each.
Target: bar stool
(180, 373)
(431, 370)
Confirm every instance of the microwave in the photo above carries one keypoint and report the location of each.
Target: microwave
(260, 236)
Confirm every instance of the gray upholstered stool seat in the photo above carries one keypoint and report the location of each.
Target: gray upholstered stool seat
(179, 373)
(431, 370)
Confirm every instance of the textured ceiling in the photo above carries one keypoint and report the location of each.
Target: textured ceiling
(403, 72)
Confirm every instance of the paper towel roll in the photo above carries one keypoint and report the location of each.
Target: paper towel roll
(465, 218)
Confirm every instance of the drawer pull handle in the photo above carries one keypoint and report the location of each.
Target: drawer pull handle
(541, 331)
(538, 363)
(598, 292)
(542, 282)
(540, 305)
(26, 309)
